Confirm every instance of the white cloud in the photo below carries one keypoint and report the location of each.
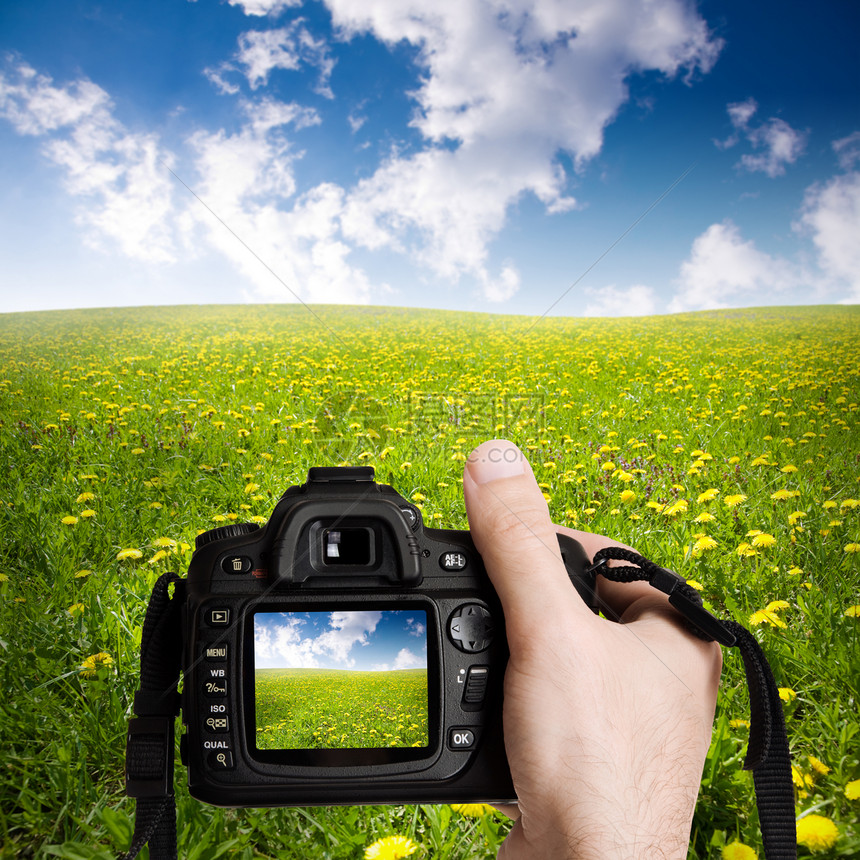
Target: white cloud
(285, 644)
(265, 7)
(609, 301)
(507, 85)
(262, 51)
(847, 150)
(127, 190)
(282, 645)
(831, 214)
(723, 270)
(781, 144)
(405, 659)
(247, 179)
(346, 630)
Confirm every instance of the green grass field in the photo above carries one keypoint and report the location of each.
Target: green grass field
(724, 445)
(300, 709)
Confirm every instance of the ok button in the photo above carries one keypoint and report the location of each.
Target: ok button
(461, 739)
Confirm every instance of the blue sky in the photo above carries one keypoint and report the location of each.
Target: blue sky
(357, 640)
(595, 157)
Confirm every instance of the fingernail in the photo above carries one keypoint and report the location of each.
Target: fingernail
(491, 461)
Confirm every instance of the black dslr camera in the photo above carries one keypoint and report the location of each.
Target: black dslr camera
(343, 653)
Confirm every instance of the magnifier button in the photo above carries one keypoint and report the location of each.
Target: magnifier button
(221, 760)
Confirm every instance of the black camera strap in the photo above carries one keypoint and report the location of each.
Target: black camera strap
(150, 744)
(767, 755)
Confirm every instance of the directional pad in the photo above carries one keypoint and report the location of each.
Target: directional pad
(471, 628)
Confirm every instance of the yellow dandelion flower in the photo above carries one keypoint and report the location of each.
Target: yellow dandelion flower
(744, 550)
(707, 496)
(705, 517)
(818, 766)
(800, 779)
(776, 605)
(788, 469)
(88, 514)
(128, 553)
(781, 495)
(472, 810)
(82, 573)
(703, 544)
(390, 848)
(69, 521)
(675, 508)
(76, 609)
(817, 832)
(85, 497)
(738, 851)
(849, 503)
(763, 616)
(734, 500)
(628, 496)
(795, 516)
(850, 548)
(787, 694)
(166, 542)
(763, 540)
(853, 611)
(852, 790)
(95, 662)
(695, 584)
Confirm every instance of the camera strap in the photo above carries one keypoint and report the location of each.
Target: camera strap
(767, 755)
(150, 743)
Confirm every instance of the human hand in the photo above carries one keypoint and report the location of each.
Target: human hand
(606, 725)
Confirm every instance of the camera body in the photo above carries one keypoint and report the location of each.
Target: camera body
(343, 654)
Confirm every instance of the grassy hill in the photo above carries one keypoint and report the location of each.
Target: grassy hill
(724, 445)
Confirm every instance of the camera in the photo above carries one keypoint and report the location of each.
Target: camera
(343, 653)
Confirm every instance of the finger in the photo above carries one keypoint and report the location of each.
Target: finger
(510, 810)
(515, 536)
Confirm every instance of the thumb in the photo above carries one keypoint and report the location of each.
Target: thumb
(513, 532)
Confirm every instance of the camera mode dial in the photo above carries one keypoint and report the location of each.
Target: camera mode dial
(222, 532)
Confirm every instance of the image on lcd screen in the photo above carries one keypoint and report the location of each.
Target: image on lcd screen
(347, 679)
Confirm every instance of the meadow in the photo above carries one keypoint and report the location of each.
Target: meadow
(724, 445)
(298, 709)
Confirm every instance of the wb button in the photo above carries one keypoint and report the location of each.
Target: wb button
(461, 739)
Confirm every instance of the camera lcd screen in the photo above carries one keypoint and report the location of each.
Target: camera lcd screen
(344, 679)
